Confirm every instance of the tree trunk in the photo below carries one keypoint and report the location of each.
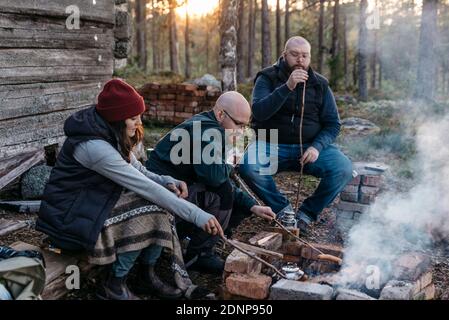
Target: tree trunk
(174, 67)
(228, 44)
(321, 38)
(335, 49)
(345, 52)
(362, 52)
(241, 42)
(278, 29)
(287, 20)
(266, 35)
(207, 45)
(154, 36)
(141, 34)
(251, 37)
(425, 84)
(187, 44)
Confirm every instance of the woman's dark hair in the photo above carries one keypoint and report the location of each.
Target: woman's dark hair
(126, 142)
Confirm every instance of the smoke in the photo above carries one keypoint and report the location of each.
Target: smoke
(407, 221)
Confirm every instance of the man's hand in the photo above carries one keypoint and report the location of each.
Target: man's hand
(180, 189)
(263, 212)
(213, 227)
(310, 156)
(298, 75)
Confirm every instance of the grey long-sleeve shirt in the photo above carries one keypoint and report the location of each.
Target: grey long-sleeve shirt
(101, 157)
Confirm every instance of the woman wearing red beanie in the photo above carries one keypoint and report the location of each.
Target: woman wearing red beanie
(85, 205)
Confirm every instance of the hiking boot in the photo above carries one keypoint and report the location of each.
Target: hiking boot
(148, 282)
(206, 261)
(304, 221)
(115, 288)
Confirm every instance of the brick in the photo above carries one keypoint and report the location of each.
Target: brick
(274, 243)
(179, 107)
(371, 180)
(351, 188)
(349, 196)
(186, 87)
(292, 248)
(427, 293)
(348, 294)
(410, 266)
(254, 286)
(423, 281)
(311, 254)
(241, 263)
(167, 96)
(355, 181)
(397, 290)
(296, 290)
(286, 236)
(367, 198)
(291, 258)
(369, 190)
(184, 115)
(351, 206)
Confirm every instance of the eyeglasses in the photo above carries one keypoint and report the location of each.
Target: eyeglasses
(237, 123)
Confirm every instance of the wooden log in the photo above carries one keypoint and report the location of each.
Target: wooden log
(33, 99)
(22, 167)
(49, 65)
(9, 226)
(21, 206)
(98, 10)
(19, 31)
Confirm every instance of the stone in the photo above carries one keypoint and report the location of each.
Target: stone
(249, 285)
(239, 262)
(122, 29)
(296, 290)
(267, 240)
(397, 290)
(34, 181)
(349, 196)
(208, 80)
(122, 49)
(358, 126)
(352, 206)
(348, 294)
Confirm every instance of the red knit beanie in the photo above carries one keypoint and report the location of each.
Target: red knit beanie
(119, 101)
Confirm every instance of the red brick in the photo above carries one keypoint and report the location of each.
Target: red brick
(373, 181)
(292, 248)
(355, 181)
(369, 190)
(311, 254)
(167, 96)
(349, 196)
(250, 286)
(239, 262)
(184, 115)
(290, 258)
(274, 243)
(427, 293)
(351, 188)
(367, 198)
(187, 87)
(411, 265)
(179, 107)
(423, 281)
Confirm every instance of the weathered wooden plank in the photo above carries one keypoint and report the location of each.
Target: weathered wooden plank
(95, 10)
(22, 167)
(49, 65)
(9, 226)
(32, 99)
(34, 128)
(7, 164)
(20, 148)
(19, 31)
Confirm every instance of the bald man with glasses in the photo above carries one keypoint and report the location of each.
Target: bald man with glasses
(209, 184)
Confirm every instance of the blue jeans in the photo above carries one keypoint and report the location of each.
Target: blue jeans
(125, 261)
(262, 161)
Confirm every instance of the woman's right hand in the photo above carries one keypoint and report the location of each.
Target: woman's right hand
(213, 227)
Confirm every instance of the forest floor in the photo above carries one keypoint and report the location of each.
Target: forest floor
(390, 146)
